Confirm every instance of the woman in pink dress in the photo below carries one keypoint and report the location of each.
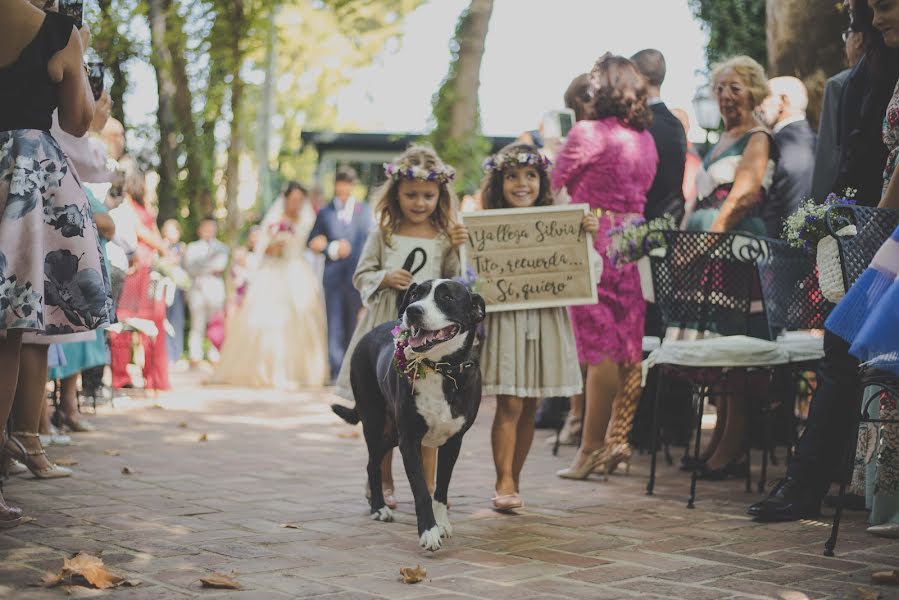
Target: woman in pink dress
(609, 163)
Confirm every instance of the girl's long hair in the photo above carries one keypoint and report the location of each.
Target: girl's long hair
(387, 197)
(492, 184)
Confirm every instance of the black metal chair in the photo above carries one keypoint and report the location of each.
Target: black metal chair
(794, 305)
(708, 282)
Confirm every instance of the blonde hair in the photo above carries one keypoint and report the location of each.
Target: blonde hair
(752, 74)
(387, 198)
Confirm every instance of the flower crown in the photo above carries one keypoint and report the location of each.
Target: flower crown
(500, 161)
(439, 174)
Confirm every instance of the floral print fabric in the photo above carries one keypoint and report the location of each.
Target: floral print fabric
(53, 283)
(891, 137)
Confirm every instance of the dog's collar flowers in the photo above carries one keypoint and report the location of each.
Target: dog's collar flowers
(501, 161)
(417, 367)
(439, 174)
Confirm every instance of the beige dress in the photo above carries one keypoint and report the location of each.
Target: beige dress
(277, 337)
(381, 305)
(530, 354)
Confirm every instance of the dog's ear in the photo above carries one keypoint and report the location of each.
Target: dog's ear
(407, 298)
(478, 308)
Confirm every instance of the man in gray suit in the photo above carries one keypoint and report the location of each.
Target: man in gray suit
(827, 154)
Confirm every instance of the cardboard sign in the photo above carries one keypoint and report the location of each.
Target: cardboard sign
(530, 257)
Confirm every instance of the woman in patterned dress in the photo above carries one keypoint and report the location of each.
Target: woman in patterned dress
(54, 286)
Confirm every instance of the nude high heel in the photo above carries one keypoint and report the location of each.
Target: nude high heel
(10, 516)
(582, 472)
(18, 450)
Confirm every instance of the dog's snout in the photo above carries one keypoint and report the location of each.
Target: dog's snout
(415, 311)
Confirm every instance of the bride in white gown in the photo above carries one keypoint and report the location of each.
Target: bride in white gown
(278, 338)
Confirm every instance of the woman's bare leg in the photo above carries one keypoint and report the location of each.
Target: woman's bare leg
(503, 437)
(600, 391)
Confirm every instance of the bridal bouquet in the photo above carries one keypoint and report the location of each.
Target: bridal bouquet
(627, 241)
(806, 227)
(280, 233)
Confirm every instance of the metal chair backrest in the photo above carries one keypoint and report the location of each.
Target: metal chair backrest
(705, 281)
(793, 298)
(873, 227)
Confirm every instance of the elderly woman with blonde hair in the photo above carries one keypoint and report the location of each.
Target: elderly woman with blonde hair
(731, 188)
(739, 169)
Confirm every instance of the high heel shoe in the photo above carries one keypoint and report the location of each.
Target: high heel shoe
(10, 516)
(28, 457)
(616, 456)
(583, 471)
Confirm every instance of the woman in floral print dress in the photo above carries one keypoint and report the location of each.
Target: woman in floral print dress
(54, 286)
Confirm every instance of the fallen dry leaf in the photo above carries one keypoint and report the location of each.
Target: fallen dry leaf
(66, 462)
(204, 438)
(348, 435)
(127, 471)
(291, 526)
(85, 570)
(220, 581)
(112, 452)
(182, 425)
(158, 407)
(28, 520)
(413, 575)
(887, 577)
(864, 594)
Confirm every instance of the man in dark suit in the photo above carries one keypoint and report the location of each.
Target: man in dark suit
(340, 231)
(667, 192)
(784, 113)
(830, 423)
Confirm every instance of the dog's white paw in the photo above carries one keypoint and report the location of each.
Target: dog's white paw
(430, 539)
(442, 518)
(383, 514)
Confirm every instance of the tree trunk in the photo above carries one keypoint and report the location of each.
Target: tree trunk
(472, 39)
(266, 111)
(235, 145)
(790, 25)
(165, 83)
(196, 183)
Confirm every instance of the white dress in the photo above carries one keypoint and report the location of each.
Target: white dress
(278, 338)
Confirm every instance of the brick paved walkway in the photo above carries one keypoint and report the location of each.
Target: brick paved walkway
(194, 507)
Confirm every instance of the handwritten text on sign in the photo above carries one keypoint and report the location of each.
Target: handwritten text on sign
(530, 257)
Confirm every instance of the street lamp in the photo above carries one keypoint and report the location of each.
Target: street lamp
(705, 106)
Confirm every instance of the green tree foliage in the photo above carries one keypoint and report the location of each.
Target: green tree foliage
(210, 57)
(457, 125)
(734, 27)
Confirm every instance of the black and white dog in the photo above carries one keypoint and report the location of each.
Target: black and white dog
(440, 318)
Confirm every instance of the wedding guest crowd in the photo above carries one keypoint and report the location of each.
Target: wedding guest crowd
(627, 158)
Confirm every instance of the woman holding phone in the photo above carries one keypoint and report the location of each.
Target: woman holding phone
(54, 286)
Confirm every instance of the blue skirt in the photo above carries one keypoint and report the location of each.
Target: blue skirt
(868, 317)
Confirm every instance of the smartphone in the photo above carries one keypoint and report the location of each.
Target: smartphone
(95, 74)
(73, 9)
(557, 123)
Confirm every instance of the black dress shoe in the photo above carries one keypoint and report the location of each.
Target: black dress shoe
(732, 469)
(788, 501)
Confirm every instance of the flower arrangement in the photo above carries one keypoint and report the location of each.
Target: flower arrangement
(627, 240)
(280, 232)
(500, 161)
(806, 227)
(412, 368)
(439, 174)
